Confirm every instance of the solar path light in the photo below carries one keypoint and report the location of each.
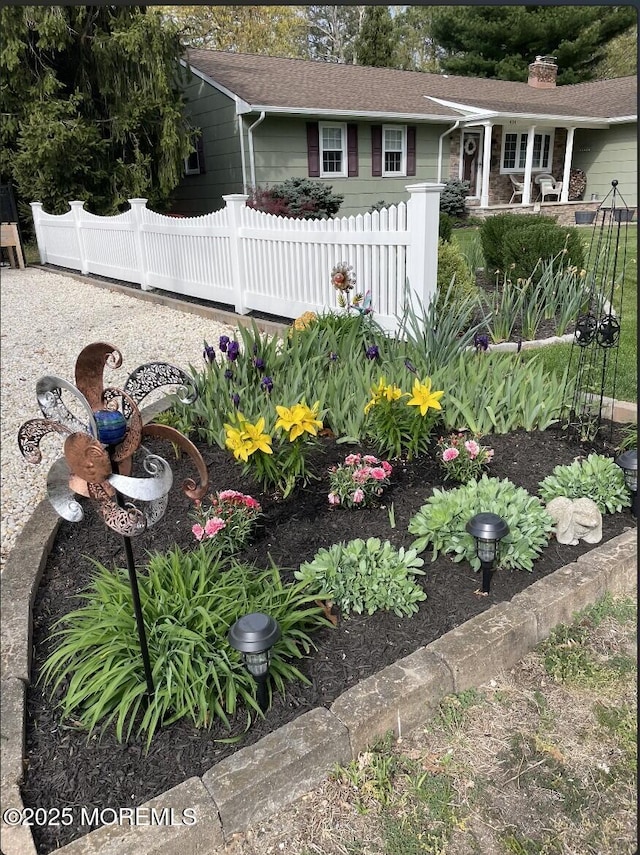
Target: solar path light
(254, 635)
(488, 530)
(628, 462)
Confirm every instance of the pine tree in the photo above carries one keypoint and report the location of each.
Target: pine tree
(92, 106)
(374, 45)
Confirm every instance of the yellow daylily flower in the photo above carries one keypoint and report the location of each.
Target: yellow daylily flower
(256, 439)
(424, 398)
(299, 419)
(236, 441)
(383, 390)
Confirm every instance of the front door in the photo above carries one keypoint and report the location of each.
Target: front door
(470, 160)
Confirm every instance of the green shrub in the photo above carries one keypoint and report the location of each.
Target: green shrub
(366, 576)
(442, 522)
(524, 245)
(452, 263)
(494, 229)
(189, 602)
(303, 198)
(453, 197)
(597, 478)
(445, 227)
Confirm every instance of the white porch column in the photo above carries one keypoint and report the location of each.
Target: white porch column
(566, 174)
(526, 194)
(486, 165)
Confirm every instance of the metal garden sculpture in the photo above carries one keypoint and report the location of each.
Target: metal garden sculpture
(99, 446)
(597, 328)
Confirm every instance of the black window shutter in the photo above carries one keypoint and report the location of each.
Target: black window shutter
(352, 150)
(200, 150)
(376, 150)
(313, 149)
(411, 150)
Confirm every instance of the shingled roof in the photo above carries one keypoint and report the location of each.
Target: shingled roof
(268, 82)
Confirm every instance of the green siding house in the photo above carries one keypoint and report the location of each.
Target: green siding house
(369, 132)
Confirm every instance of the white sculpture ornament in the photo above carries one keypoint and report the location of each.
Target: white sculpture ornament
(575, 519)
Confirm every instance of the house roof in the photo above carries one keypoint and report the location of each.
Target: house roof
(304, 86)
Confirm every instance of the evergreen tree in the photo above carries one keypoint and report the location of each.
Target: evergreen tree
(374, 45)
(91, 106)
(501, 41)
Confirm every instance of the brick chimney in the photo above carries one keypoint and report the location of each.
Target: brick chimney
(543, 73)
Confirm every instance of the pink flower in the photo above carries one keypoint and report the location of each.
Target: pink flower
(198, 531)
(369, 458)
(450, 454)
(378, 473)
(213, 526)
(388, 468)
(361, 475)
(358, 496)
(333, 499)
(250, 502)
(352, 459)
(473, 448)
(230, 494)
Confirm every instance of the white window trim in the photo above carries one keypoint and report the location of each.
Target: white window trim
(523, 133)
(343, 134)
(196, 170)
(403, 157)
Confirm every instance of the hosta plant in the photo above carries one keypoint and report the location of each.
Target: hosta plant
(189, 602)
(442, 522)
(364, 576)
(597, 478)
(358, 481)
(225, 521)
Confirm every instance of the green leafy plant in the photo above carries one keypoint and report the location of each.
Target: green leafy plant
(596, 478)
(525, 244)
(462, 457)
(226, 522)
(366, 576)
(455, 280)
(494, 229)
(189, 602)
(442, 522)
(445, 227)
(303, 198)
(398, 426)
(358, 481)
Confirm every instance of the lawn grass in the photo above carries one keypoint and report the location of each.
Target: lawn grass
(556, 357)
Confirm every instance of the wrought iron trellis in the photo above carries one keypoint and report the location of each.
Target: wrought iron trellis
(597, 330)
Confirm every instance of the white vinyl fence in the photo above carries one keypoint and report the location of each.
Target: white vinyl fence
(252, 260)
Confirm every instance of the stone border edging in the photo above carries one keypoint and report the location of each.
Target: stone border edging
(258, 780)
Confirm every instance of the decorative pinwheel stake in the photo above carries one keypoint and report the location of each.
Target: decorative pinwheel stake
(99, 446)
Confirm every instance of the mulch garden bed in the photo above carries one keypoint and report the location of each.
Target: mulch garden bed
(65, 768)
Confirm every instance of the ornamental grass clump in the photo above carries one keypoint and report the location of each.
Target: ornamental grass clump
(463, 458)
(226, 522)
(364, 576)
(596, 478)
(189, 602)
(402, 422)
(359, 481)
(442, 522)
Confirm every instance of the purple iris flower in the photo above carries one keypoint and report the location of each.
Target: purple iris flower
(233, 349)
(408, 364)
(228, 374)
(236, 400)
(481, 342)
(258, 363)
(208, 354)
(372, 352)
(333, 356)
(267, 384)
(222, 344)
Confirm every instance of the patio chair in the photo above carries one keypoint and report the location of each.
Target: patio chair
(518, 188)
(549, 187)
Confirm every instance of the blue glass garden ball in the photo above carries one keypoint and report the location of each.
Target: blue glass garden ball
(112, 426)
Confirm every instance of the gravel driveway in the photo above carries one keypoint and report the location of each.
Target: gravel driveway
(46, 320)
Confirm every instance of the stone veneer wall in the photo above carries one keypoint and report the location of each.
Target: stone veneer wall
(562, 213)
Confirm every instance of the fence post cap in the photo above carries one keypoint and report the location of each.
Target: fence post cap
(425, 187)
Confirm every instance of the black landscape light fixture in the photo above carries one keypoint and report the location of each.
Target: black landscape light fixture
(254, 635)
(488, 530)
(628, 462)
